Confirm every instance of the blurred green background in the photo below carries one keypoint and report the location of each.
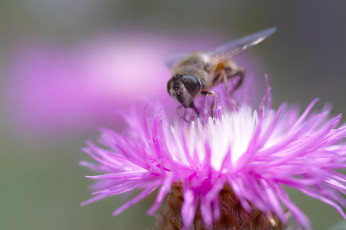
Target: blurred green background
(41, 184)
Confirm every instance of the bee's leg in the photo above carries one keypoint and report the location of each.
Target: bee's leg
(223, 75)
(181, 115)
(212, 108)
(240, 72)
(194, 109)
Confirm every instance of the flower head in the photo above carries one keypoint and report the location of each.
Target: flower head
(251, 152)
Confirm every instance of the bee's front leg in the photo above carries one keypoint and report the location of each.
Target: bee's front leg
(194, 109)
(212, 108)
(183, 114)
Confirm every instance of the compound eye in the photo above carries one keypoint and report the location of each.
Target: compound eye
(192, 84)
(176, 86)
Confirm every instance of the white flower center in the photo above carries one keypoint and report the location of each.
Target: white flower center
(232, 132)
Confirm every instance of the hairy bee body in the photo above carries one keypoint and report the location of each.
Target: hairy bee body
(195, 73)
(196, 64)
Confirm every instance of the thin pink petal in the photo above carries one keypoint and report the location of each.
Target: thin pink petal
(188, 209)
(162, 193)
(135, 200)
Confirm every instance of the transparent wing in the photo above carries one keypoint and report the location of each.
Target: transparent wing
(223, 52)
(234, 47)
(226, 51)
(173, 58)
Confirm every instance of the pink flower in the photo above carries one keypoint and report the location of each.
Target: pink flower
(255, 152)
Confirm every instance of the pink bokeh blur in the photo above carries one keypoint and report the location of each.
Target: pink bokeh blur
(64, 90)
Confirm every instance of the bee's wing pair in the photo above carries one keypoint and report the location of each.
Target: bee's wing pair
(225, 51)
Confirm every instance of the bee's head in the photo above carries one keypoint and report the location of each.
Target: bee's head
(184, 88)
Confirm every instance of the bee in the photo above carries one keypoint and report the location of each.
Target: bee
(195, 73)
